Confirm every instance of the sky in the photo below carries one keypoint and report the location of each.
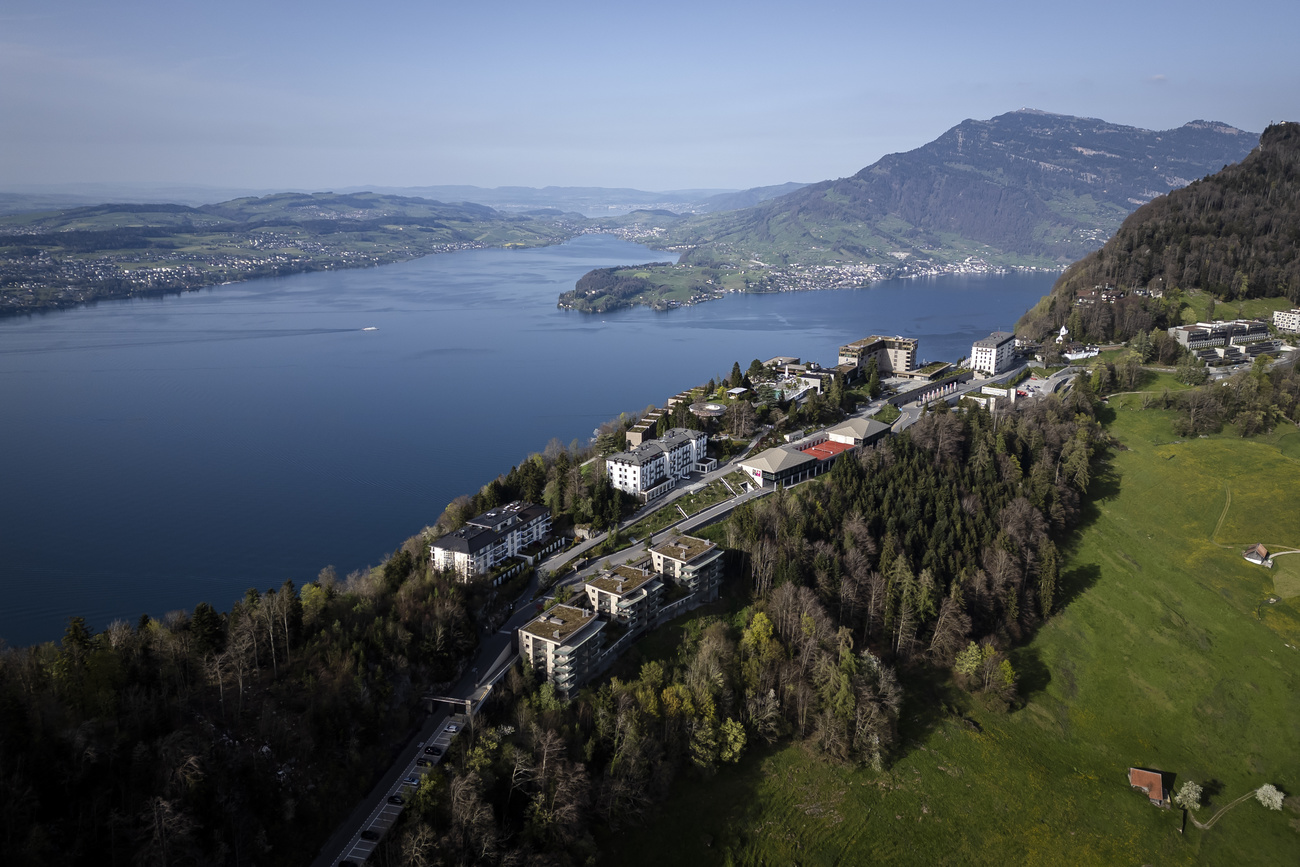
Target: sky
(282, 94)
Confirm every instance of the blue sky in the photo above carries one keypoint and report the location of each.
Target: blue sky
(672, 95)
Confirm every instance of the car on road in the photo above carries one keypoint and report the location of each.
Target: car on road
(369, 835)
(432, 750)
(397, 800)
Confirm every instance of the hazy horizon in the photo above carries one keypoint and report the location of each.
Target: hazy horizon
(730, 96)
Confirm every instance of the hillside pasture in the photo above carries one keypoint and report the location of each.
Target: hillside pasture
(1167, 653)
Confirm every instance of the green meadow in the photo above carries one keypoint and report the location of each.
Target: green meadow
(1169, 652)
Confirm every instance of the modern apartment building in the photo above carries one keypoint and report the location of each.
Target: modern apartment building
(892, 354)
(488, 539)
(628, 595)
(563, 645)
(1287, 320)
(651, 469)
(993, 354)
(694, 564)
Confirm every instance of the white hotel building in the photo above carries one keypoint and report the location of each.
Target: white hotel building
(993, 354)
(652, 469)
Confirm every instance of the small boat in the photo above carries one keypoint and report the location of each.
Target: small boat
(370, 328)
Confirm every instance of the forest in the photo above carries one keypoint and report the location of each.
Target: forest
(933, 553)
(606, 288)
(222, 738)
(1234, 234)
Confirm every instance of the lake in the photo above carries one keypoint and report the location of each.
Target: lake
(162, 452)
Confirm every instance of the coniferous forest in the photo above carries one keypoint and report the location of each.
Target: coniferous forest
(1234, 234)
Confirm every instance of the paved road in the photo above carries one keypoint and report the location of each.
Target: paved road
(556, 561)
(496, 651)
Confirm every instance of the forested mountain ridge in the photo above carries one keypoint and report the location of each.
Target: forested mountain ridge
(1234, 234)
(1027, 184)
(1024, 189)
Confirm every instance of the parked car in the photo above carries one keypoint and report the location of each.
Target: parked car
(423, 763)
(413, 779)
(452, 728)
(397, 800)
(433, 751)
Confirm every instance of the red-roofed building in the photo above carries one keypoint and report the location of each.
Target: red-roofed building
(824, 450)
(1152, 783)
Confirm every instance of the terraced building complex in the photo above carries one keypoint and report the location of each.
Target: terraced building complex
(570, 644)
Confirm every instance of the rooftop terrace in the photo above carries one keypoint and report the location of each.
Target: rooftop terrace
(685, 548)
(559, 623)
(622, 580)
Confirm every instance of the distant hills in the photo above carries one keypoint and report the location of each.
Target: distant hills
(66, 257)
(597, 201)
(1234, 235)
(588, 201)
(1024, 189)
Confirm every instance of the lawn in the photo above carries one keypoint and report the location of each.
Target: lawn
(1167, 654)
(711, 494)
(1198, 304)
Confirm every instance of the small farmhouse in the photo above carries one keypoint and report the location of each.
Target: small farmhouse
(1151, 783)
(1258, 554)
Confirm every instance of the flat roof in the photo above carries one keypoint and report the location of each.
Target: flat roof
(684, 548)
(622, 580)
(559, 623)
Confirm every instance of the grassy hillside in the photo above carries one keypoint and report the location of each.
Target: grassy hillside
(1168, 654)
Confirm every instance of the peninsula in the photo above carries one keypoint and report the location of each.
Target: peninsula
(59, 259)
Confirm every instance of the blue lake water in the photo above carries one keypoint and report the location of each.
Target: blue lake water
(166, 451)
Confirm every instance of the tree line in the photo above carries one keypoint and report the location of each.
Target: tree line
(210, 737)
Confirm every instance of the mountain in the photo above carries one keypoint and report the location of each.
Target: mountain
(744, 198)
(1023, 188)
(597, 201)
(589, 201)
(1234, 235)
